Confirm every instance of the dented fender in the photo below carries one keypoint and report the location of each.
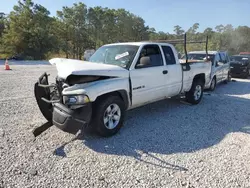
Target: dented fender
(98, 88)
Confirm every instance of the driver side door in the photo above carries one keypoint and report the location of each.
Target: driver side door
(226, 66)
(148, 77)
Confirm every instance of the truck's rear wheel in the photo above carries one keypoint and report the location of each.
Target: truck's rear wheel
(195, 94)
(108, 115)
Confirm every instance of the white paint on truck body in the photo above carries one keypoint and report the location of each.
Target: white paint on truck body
(144, 84)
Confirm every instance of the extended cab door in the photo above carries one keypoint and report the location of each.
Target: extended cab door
(148, 76)
(174, 77)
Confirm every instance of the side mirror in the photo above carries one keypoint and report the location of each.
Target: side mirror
(143, 62)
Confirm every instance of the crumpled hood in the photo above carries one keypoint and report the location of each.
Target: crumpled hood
(66, 67)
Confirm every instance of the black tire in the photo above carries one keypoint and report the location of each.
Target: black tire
(99, 110)
(213, 85)
(190, 96)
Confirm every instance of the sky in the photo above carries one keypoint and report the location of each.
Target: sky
(163, 15)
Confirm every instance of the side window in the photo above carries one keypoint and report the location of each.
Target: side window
(223, 58)
(150, 56)
(217, 59)
(169, 55)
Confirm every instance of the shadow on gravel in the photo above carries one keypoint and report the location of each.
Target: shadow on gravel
(169, 127)
(236, 87)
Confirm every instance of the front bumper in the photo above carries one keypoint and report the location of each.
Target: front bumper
(239, 71)
(49, 97)
(69, 120)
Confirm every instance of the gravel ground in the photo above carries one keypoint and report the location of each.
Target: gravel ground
(165, 144)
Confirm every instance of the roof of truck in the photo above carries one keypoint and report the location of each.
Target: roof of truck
(137, 43)
(125, 43)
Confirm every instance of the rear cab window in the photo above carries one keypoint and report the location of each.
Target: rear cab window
(217, 59)
(169, 55)
(223, 58)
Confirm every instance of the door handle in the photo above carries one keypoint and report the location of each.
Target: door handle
(165, 72)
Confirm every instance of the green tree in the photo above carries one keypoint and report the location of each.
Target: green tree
(219, 28)
(192, 30)
(72, 30)
(29, 29)
(178, 30)
(2, 24)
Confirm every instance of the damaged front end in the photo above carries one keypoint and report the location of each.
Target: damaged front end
(70, 113)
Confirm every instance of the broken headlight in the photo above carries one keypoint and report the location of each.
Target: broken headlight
(75, 101)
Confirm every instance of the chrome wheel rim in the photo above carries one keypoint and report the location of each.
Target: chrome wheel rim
(197, 92)
(112, 116)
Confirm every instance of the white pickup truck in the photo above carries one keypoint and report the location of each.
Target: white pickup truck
(118, 77)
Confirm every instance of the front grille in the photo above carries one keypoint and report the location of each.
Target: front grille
(59, 85)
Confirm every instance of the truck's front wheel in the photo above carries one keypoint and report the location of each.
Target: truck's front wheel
(195, 94)
(108, 115)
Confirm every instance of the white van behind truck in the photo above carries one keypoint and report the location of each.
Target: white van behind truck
(220, 66)
(87, 54)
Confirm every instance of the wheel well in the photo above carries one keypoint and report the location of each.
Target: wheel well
(200, 77)
(120, 93)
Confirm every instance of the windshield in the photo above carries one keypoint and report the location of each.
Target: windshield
(121, 55)
(239, 58)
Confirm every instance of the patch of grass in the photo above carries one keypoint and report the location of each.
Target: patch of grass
(55, 55)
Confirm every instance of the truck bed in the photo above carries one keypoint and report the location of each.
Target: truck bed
(196, 67)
